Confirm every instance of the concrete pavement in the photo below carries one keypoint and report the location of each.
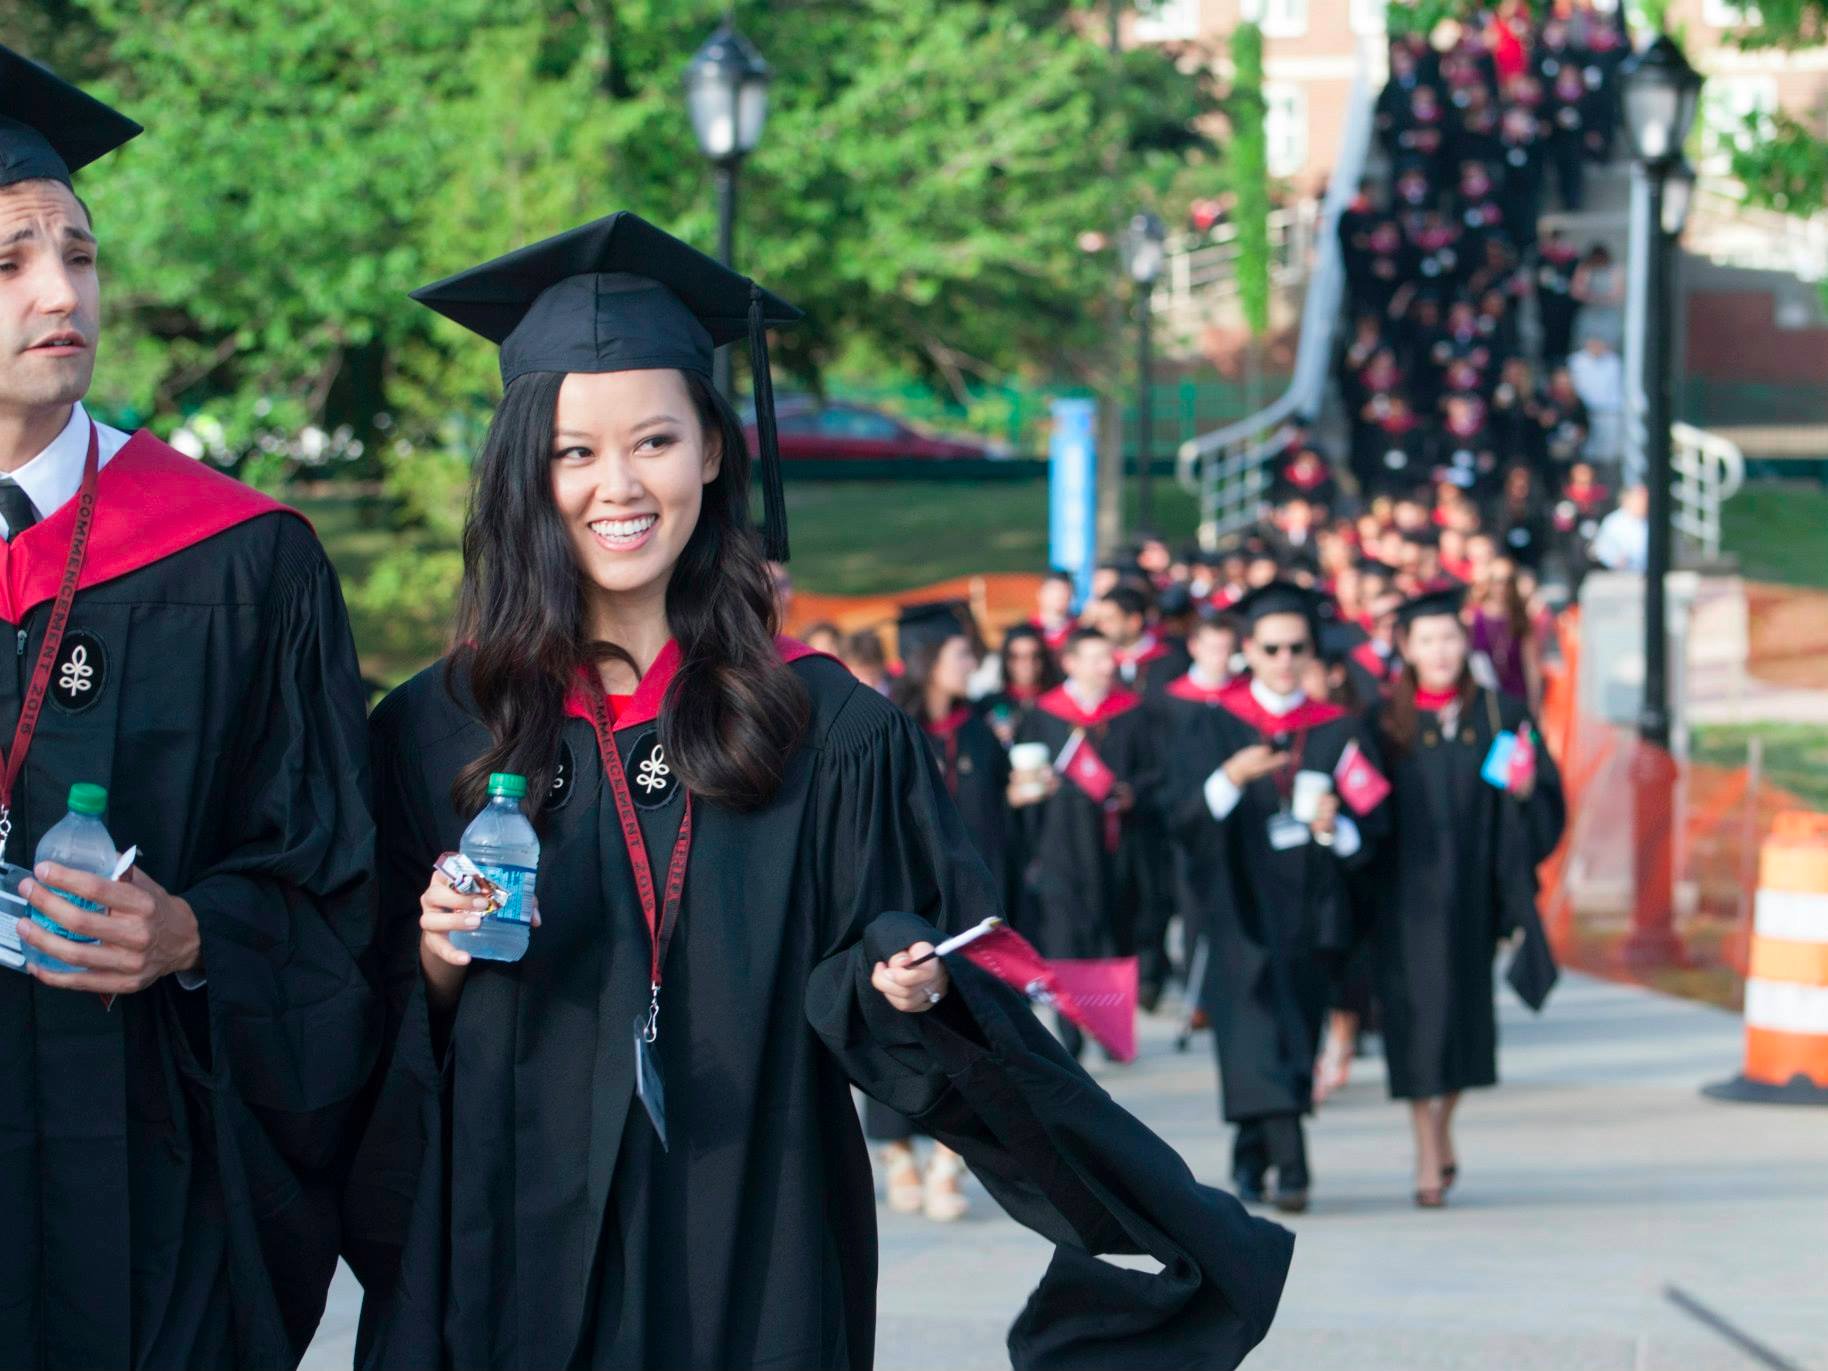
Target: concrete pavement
(1607, 1216)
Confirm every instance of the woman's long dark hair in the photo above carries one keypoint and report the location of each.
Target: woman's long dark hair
(1400, 721)
(909, 690)
(733, 713)
(1051, 675)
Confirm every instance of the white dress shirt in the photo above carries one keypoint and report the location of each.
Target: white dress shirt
(52, 478)
(1223, 794)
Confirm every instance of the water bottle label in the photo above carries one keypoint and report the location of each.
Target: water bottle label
(58, 928)
(516, 886)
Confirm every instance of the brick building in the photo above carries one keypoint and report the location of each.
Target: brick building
(1311, 50)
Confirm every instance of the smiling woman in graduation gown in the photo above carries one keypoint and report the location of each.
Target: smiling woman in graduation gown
(513, 1205)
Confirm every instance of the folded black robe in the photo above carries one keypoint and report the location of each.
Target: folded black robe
(510, 1208)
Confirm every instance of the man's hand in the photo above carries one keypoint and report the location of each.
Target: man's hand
(1253, 763)
(146, 933)
(1326, 814)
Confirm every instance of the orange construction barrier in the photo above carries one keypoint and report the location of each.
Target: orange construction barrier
(1786, 989)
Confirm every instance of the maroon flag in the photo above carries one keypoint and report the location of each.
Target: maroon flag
(1360, 784)
(1080, 763)
(1097, 993)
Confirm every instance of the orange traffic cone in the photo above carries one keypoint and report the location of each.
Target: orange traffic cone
(1786, 989)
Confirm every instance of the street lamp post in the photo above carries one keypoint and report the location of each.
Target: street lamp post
(1660, 90)
(1143, 248)
(726, 90)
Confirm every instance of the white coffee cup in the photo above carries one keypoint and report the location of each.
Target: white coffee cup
(1029, 764)
(1030, 757)
(1310, 787)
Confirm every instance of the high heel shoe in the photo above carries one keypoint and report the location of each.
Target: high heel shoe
(1448, 1175)
(1431, 1198)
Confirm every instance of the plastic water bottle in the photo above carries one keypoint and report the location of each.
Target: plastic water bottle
(79, 841)
(501, 841)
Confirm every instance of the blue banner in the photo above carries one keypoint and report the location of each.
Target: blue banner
(1072, 492)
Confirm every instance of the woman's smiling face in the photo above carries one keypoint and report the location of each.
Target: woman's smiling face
(630, 461)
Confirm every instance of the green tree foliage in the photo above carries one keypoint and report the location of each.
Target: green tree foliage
(926, 172)
(1247, 174)
(1784, 163)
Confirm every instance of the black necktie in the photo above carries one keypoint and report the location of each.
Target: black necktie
(16, 508)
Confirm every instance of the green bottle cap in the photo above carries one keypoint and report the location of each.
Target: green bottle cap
(88, 799)
(507, 783)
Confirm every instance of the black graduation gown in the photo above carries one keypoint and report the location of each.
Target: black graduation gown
(1082, 896)
(976, 772)
(167, 1169)
(1177, 715)
(1456, 874)
(510, 1206)
(1279, 921)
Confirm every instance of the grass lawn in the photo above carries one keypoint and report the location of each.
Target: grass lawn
(867, 537)
(1778, 531)
(1795, 755)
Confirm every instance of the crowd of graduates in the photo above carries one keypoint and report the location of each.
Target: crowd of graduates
(1303, 787)
(1480, 371)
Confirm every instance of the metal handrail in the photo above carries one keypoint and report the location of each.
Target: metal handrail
(1706, 471)
(1227, 469)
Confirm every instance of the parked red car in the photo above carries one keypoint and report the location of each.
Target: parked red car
(810, 431)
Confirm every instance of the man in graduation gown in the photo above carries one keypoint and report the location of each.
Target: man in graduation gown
(171, 1113)
(1080, 843)
(1273, 884)
(1148, 660)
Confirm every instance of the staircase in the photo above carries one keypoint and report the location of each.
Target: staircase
(1230, 470)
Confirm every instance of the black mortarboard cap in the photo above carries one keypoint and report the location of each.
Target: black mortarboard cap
(49, 128)
(619, 294)
(1338, 637)
(929, 625)
(1282, 597)
(1445, 601)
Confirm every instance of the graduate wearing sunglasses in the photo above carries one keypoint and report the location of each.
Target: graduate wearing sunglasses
(1269, 863)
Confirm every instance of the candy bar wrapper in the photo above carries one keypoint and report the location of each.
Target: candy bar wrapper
(466, 878)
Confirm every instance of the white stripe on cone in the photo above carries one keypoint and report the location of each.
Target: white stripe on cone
(1787, 1007)
(1792, 915)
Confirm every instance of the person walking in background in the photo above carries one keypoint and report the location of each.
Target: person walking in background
(1271, 877)
(1455, 876)
(1079, 838)
(1505, 653)
(937, 663)
(1030, 670)
(1622, 542)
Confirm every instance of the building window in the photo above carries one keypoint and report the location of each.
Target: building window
(1735, 114)
(1167, 21)
(1729, 14)
(1277, 18)
(1285, 128)
(1368, 15)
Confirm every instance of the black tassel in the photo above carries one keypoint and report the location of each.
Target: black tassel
(774, 497)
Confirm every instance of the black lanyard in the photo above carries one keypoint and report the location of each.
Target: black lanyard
(662, 911)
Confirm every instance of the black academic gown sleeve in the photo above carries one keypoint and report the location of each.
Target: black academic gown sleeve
(980, 1074)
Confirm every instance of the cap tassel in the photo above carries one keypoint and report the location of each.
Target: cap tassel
(774, 497)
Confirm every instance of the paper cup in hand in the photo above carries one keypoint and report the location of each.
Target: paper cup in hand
(1310, 787)
(1029, 763)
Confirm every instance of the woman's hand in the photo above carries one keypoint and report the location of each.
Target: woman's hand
(442, 911)
(912, 989)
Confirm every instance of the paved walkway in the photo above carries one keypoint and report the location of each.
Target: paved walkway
(1596, 1181)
